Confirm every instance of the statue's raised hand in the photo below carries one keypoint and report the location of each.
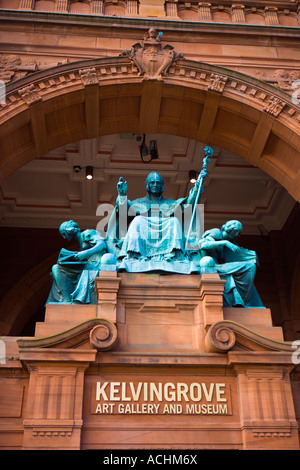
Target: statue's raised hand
(122, 187)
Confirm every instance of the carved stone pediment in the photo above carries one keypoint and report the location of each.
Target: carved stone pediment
(152, 59)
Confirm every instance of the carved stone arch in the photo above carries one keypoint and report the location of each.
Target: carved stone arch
(210, 104)
(89, 98)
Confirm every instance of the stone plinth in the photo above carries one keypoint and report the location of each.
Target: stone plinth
(160, 313)
(158, 352)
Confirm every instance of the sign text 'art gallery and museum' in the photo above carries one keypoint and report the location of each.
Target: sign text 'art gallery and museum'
(205, 398)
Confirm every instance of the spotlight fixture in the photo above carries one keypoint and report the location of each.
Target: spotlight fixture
(192, 176)
(89, 172)
(150, 151)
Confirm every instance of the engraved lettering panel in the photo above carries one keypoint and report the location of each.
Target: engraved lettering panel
(161, 395)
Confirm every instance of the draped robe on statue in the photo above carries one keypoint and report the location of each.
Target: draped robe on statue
(158, 234)
(237, 269)
(73, 280)
(156, 231)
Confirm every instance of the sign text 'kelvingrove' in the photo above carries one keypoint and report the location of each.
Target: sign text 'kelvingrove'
(162, 397)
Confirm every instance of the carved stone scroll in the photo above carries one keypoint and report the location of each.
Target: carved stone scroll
(220, 338)
(103, 336)
(226, 335)
(74, 337)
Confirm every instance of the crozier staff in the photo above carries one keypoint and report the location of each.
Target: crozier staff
(199, 189)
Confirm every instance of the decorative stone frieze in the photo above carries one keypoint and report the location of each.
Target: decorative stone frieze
(237, 13)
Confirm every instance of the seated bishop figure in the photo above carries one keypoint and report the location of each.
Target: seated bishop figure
(149, 228)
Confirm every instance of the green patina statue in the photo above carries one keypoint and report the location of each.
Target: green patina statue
(148, 233)
(74, 274)
(233, 263)
(155, 234)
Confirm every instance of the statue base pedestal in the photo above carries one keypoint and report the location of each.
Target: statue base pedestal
(158, 363)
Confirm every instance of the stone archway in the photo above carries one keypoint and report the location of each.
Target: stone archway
(106, 96)
(210, 104)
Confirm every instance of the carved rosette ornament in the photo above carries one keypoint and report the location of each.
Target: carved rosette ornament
(152, 59)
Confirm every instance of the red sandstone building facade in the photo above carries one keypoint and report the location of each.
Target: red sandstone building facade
(157, 362)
